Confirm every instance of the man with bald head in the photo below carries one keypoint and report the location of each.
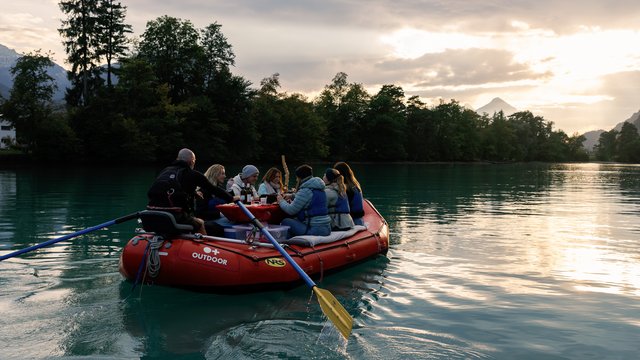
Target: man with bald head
(175, 187)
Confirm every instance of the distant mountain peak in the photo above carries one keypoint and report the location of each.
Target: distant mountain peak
(497, 105)
(8, 58)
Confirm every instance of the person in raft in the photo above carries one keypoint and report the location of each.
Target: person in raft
(244, 180)
(309, 206)
(175, 188)
(337, 200)
(354, 192)
(271, 182)
(206, 204)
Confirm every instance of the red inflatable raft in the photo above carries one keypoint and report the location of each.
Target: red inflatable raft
(163, 254)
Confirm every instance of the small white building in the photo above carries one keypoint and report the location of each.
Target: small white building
(7, 134)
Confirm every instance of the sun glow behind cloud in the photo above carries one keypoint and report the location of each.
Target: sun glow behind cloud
(575, 62)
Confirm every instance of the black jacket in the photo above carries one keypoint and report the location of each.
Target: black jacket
(189, 180)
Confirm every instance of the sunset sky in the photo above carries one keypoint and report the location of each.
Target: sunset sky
(576, 63)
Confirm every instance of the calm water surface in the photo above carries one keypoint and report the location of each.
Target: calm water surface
(530, 261)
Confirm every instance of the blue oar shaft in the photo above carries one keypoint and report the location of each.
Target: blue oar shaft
(69, 236)
(277, 245)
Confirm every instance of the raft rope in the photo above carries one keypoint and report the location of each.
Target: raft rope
(153, 265)
(142, 262)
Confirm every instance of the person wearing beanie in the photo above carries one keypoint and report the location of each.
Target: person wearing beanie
(337, 200)
(246, 179)
(309, 206)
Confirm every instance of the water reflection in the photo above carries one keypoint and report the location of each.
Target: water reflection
(8, 191)
(174, 323)
(487, 261)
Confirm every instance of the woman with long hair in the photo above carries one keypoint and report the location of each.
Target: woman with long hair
(271, 182)
(337, 200)
(206, 206)
(216, 175)
(354, 192)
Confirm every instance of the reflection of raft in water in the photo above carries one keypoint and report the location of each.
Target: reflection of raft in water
(221, 264)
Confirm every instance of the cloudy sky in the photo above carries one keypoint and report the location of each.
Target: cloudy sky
(576, 63)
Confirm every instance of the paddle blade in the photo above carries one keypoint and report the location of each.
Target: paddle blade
(333, 310)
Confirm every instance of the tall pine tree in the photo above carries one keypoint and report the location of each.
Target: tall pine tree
(80, 39)
(112, 33)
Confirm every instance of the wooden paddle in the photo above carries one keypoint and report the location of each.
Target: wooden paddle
(330, 306)
(286, 174)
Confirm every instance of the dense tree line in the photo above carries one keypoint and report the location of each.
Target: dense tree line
(176, 89)
(622, 146)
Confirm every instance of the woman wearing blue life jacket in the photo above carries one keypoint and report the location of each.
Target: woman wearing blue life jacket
(354, 192)
(206, 205)
(309, 206)
(337, 200)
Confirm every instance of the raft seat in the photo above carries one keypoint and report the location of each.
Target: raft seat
(313, 240)
(162, 223)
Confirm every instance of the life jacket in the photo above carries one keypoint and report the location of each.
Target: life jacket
(341, 206)
(215, 201)
(357, 204)
(317, 206)
(166, 191)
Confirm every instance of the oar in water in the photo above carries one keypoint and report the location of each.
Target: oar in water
(70, 236)
(330, 306)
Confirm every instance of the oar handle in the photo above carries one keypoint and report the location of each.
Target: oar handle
(70, 236)
(277, 245)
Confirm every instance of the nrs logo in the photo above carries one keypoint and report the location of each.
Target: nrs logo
(275, 262)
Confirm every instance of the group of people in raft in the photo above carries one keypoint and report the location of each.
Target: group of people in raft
(317, 207)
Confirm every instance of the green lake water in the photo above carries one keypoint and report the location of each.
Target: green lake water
(519, 261)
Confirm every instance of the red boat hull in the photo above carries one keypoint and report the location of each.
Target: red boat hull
(212, 264)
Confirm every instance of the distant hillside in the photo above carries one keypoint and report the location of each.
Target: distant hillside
(495, 106)
(8, 59)
(634, 119)
(592, 137)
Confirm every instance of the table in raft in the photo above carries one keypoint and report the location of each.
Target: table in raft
(269, 213)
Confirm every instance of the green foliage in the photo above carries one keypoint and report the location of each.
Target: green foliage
(218, 53)
(204, 130)
(628, 144)
(344, 107)
(385, 125)
(304, 131)
(457, 132)
(177, 90)
(606, 148)
(81, 36)
(171, 46)
(420, 132)
(286, 124)
(29, 105)
(575, 149)
(622, 146)
(498, 139)
(531, 136)
(112, 31)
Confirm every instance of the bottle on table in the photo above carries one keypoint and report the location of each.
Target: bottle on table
(248, 194)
